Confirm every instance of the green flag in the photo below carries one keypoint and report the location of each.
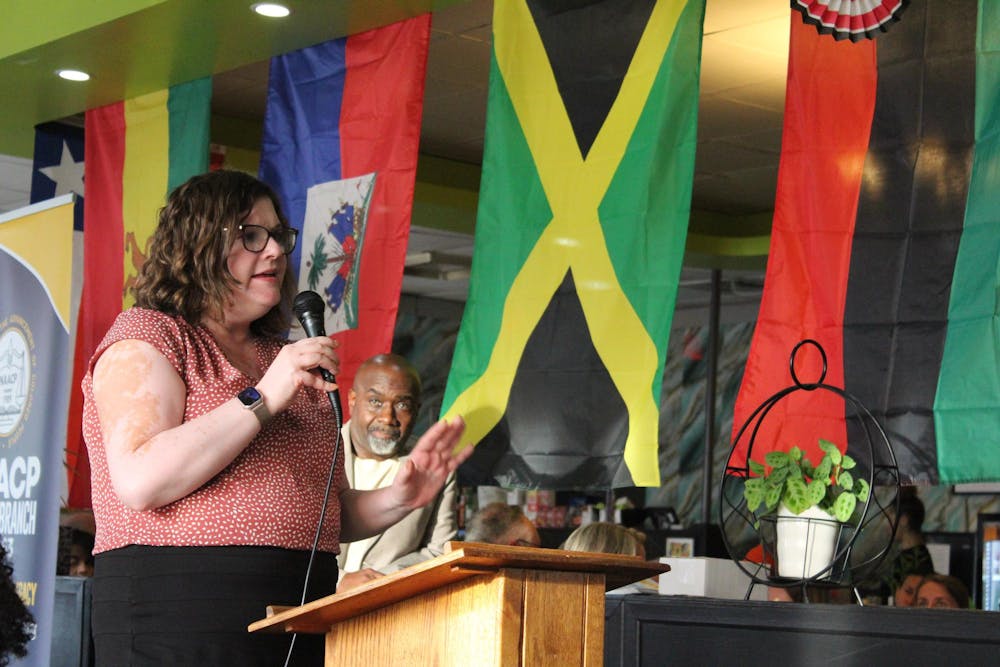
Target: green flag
(583, 214)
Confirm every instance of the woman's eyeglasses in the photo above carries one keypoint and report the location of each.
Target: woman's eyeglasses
(255, 237)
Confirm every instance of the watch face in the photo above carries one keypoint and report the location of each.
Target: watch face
(249, 396)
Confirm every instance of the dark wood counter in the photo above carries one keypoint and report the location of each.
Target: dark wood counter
(656, 630)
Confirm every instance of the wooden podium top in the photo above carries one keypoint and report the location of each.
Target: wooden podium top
(461, 561)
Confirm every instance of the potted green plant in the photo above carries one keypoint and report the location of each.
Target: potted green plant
(807, 503)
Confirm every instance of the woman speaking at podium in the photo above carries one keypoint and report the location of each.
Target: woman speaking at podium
(211, 442)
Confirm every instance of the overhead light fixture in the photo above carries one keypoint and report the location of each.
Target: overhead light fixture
(271, 10)
(73, 75)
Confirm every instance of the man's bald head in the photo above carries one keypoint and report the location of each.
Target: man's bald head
(384, 402)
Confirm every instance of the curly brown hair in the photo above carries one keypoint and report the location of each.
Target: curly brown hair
(186, 273)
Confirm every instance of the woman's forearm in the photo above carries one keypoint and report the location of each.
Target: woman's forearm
(367, 513)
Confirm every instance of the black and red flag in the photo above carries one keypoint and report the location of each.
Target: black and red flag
(886, 243)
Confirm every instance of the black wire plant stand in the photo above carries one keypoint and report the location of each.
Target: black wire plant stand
(874, 525)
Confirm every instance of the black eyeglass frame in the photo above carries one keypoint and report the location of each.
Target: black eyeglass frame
(280, 235)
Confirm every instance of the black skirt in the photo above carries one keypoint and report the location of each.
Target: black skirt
(192, 605)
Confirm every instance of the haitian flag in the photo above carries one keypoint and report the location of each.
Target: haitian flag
(885, 245)
(137, 151)
(341, 133)
(582, 221)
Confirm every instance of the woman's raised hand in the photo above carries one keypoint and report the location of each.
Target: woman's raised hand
(432, 459)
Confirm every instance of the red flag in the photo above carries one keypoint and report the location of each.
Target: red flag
(828, 113)
(103, 271)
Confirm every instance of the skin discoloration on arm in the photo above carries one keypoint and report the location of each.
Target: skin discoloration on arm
(133, 397)
(154, 457)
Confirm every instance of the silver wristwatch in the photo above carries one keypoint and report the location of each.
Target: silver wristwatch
(253, 401)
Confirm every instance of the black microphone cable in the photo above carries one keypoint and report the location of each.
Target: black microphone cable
(305, 309)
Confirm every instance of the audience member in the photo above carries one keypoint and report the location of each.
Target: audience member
(81, 554)
(76, 542)
(76, 552)
(906, 594)
(940, 591)
(211, 444)
(500, 523)
(608, 538)
(16, 622)
(384, 403)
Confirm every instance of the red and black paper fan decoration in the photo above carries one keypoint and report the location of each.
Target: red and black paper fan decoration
(850, 19)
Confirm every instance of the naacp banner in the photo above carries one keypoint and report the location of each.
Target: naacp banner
(36, 251)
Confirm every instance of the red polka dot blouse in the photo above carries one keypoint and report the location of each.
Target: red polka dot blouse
(270, 495)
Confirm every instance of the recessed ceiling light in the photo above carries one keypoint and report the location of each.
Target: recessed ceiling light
(271, 10)
(73, 75)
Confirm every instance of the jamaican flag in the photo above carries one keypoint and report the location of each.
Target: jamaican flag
(886, 244)
(583, 214)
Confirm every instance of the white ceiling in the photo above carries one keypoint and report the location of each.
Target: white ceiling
(744, 56)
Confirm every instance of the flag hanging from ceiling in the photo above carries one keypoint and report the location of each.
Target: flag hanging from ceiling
(57, 166)
(967, 402)
(341, 133)
(57, 169)
(137, 151)
(583, 213)
(885, 245)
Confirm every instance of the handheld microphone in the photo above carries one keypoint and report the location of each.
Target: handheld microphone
(308, 308)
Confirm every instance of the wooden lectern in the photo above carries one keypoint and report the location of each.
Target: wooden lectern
(477, 604)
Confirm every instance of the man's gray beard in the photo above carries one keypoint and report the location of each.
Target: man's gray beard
(382, 446)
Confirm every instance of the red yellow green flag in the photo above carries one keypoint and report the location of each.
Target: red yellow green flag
(136, 152)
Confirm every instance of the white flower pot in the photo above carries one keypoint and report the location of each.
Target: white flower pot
(806, 542)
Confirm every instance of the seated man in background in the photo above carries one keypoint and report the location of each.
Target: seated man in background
(384, 403)
(500, 523)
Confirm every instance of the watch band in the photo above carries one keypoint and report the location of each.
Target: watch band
(253, 401)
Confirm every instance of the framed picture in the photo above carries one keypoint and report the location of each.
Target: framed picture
(680, 547)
